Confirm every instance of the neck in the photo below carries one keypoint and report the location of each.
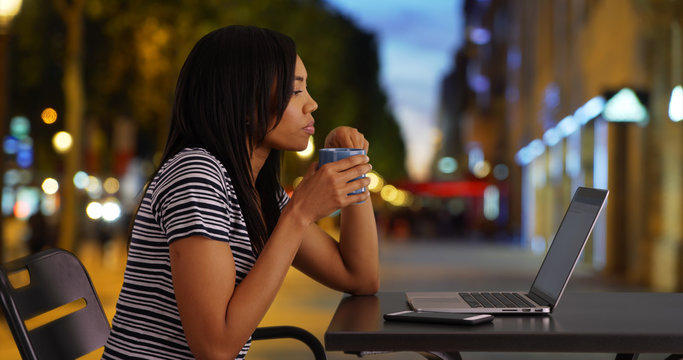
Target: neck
(258, 158)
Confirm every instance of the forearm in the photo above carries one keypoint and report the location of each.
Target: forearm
(358, 246)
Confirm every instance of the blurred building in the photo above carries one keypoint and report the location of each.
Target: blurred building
(472, 119)
(571, 93)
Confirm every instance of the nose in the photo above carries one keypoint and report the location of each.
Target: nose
(311, 105)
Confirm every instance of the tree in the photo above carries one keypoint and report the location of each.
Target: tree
(126, 55)
(75, 101)
(148, 42)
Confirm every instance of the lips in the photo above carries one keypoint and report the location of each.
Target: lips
(309, 128)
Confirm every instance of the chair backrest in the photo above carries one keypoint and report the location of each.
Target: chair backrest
(57, 283)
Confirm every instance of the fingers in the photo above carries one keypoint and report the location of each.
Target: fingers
(365, 146)
(352, 192)
(358, 198)
(344, 184)
(350, 162)
(355, 185)
(348, 137)
(358, 141)
(332, 186)
(357, 171)
(350, 167)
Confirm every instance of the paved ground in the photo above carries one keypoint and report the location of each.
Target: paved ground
(417, 265)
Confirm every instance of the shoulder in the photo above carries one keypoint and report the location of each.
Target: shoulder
(191, 168)
(191, 159)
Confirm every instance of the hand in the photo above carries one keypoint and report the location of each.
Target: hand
(325, 190)
(346, 137)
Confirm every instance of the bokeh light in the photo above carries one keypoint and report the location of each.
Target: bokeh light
(8, 10)
(49, 205)
(482, 169)
(111, 185)
(81, 180)
(111, 210)
(10, 145)
(389, 193)
(475, 155)
(94, 187)
(22, 210)
(491, 202)
(501, 172)
(308, 152)
(49, 116)
(50, 186)
(27, 202)
(297, 181)
(447, 165)
(25, 153)
(12, 177)
(676, 104)
(19, 127)
(400, 198)
(396, 197)
(62, 141)
(376, 181)
(8, 198)
(94, 210)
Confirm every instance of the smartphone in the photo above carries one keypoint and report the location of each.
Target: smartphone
(439, 317)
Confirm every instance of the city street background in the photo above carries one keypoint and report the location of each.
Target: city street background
(483, 117)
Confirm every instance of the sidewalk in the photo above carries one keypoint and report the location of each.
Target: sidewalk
(415, 265)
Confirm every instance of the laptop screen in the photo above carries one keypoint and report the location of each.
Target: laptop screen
(568, 242)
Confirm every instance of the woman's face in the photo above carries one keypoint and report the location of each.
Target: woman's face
(296, 125)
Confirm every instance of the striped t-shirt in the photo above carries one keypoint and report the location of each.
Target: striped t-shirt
(191, 194)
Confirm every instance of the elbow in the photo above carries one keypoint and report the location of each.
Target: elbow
(214, 355)
(208, 348)
(367, 286)
(372, 287)
(215, 352)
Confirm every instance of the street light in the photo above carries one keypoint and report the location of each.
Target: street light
(8, 10)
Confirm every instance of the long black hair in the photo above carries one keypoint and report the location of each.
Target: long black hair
(234, 82)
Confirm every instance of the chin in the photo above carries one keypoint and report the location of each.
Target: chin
(293, 148)
(301, 148)
(293, 144)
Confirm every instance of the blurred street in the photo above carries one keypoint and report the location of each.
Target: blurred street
(415, 265)
(484, 117)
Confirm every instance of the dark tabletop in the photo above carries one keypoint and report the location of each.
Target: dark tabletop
(582, 322)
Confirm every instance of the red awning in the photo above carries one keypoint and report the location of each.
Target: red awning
(446, 188)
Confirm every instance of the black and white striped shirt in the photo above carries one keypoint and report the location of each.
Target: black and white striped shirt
(191, 194)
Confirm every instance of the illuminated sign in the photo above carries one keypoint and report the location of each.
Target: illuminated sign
(625, 106)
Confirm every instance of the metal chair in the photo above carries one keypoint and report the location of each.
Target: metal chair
(55, 312)
(292, 332)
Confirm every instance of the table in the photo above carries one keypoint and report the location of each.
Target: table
(622, 323)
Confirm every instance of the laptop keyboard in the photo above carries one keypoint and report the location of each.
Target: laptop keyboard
(495, 300)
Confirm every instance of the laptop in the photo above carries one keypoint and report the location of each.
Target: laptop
(551, 279)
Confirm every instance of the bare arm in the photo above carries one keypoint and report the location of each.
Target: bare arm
(352, 264)
(218, 317)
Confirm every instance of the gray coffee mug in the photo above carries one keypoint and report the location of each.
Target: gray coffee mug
(328, 155)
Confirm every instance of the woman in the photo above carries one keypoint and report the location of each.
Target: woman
(215, 233)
